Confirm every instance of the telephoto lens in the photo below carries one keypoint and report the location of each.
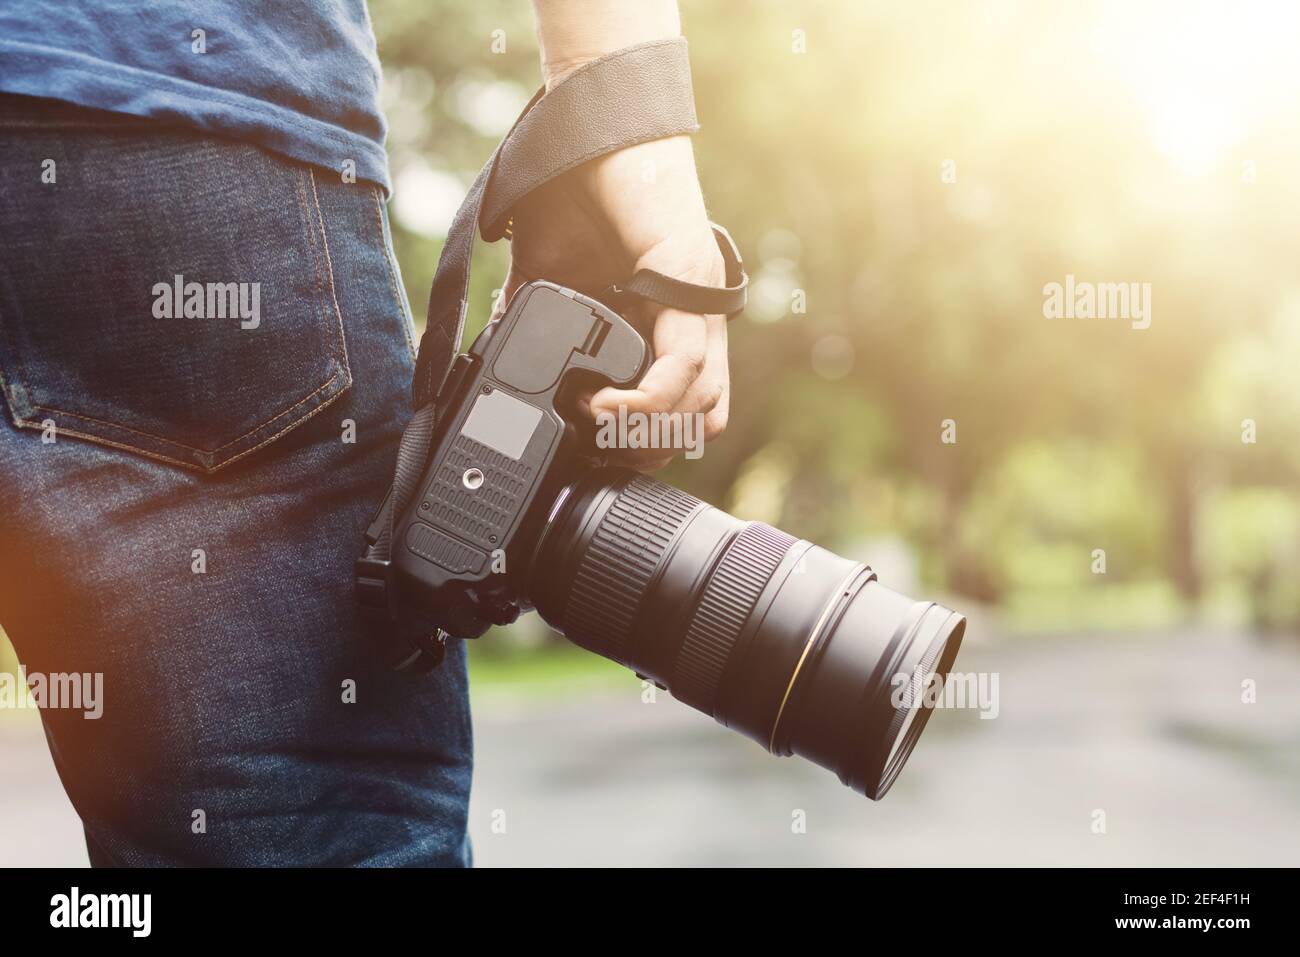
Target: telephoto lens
(775, 637)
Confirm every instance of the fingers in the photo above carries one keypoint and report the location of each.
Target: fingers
(688, 379)
(648, 466)
(588, 238)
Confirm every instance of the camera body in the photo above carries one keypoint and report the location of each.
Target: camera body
(773, 636)
(504, 448)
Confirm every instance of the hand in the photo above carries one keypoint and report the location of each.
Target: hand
(639, 207)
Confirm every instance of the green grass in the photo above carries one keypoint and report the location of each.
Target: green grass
(543, 669)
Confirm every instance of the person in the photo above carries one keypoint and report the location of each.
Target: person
(206, 354)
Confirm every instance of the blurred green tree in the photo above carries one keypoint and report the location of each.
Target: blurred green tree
(905, 179)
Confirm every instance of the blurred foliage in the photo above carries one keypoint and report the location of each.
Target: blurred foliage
(1113, 144)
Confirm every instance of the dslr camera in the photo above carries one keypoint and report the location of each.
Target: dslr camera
(784, 641)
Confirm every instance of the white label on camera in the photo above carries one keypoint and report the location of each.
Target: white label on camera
(502, 423)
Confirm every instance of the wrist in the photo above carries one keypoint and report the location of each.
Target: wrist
(570, 34)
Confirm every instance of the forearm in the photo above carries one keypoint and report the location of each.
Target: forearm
(638, 207)
(573, 32)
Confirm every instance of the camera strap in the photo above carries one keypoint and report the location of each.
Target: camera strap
(631, 96)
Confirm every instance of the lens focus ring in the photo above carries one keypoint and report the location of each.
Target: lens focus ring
(725, 606)
(618, 564)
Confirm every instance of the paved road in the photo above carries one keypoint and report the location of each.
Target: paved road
(1152, 731)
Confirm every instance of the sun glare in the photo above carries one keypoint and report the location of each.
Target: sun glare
(1207, 74)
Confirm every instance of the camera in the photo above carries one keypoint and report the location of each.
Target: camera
(798, 648)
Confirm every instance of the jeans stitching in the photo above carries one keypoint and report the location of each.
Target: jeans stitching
(102, 440)
(321, 314)
(182, 445)
(22, 376)
(392, 275)
(329, 275)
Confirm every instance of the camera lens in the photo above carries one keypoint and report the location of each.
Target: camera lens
(775, 637)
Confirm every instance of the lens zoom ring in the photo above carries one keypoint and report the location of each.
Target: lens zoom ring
(725, 606)
(616, 568)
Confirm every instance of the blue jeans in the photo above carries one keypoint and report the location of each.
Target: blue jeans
(205, 353)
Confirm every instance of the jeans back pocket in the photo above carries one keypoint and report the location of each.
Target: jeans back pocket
(163, 292)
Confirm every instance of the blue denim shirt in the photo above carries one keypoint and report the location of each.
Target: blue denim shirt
(298, 78)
